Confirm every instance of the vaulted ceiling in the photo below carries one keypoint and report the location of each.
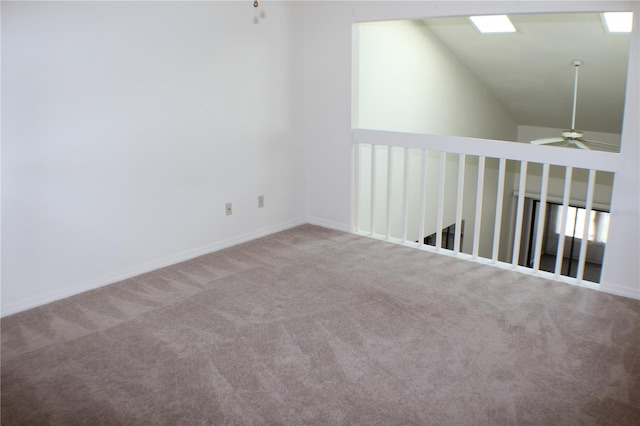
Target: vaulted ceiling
(530, 72)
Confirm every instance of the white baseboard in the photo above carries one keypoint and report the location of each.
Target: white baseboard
(329, 224)
(632, 293)
(146, 267)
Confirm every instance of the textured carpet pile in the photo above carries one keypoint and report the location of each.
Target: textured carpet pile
(313, 326)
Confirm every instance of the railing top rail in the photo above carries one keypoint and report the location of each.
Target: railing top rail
(559, 156)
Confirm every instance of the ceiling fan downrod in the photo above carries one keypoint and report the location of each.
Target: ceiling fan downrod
(576, 63)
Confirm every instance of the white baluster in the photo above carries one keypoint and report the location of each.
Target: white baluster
(372, 212)
(459, 202)
(499, 200)
(405, 196)
(423, 197)
(519, 214)
(439, 225)
(585, 234)
(563, 221)
(478, 216)
(542, 215)
(356, 187)
(389, 190)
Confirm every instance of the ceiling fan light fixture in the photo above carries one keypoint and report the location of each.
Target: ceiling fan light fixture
(492, 24)
(618, 22)
(572, 134)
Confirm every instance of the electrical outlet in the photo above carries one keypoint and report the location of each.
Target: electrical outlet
(260, 201)
(229, 209)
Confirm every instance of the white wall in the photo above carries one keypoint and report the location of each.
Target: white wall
(127, 127)
(328, 95)
(409, 82)
(328, 150)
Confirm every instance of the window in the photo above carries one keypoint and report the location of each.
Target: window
(575, 223)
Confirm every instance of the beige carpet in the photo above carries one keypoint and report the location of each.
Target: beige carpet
(313, 326)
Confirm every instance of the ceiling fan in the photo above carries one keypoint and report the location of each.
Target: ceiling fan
(574, 136)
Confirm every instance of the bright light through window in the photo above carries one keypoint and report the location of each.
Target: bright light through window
(618, 22)
(598, 228)
(493, 24)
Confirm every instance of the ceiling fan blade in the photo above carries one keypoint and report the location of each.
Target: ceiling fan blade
(580, 144)
(599, 143)
(545, 141)
(603, 146)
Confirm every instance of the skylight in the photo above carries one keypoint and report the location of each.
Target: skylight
(490, 24)
(618, 22)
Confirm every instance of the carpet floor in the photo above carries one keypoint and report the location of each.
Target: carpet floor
(314, 326)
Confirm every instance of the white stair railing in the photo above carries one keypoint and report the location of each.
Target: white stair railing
(422, 207)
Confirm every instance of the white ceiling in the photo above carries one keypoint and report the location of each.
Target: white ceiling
(531, 74)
